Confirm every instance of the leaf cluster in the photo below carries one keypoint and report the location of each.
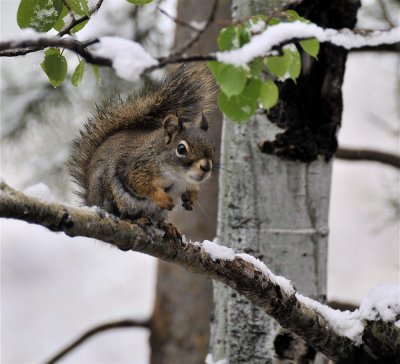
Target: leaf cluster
(44, 15)
(244, 88)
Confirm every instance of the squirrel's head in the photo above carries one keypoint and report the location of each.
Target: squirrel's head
(191, 150)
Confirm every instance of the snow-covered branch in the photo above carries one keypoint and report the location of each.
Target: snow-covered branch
(284, 33)
(130, 60)
(367, 335)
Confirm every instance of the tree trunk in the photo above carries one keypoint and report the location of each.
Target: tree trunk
(275, 207)
(181, 330)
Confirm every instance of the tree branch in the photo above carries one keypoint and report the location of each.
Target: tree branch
(369, 155)
(240, 271)
(200, 32)
(18, 48)
(97, 330)
(76, 22)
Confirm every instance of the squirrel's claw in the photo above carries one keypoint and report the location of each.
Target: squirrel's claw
(189, 198)
(170, 230)
(187, 206)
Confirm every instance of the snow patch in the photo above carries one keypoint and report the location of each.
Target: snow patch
(199, 25)
(30, 34)
(40, 191)
(381, 303)
(344, 323)
(129, 59)
(263, 43)
(210, 360)
(284, 283)
(218, 251)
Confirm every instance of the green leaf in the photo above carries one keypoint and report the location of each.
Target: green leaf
(40, 15)
(274, 21)
(78, 73)
(287, 65)
(269, 94)
(311, 46)
(240, 107)
(279, 65)
(59, 24)
(244, 35)
(95, 69)
(293, 14)
(55, 66)
(228, 39)
(140, 2)
(79, 7)
(295, 65)
(230, 79)
(78, 27)
(256, 66)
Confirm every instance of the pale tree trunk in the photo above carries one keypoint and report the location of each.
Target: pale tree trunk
(276, 209)
(183, 305)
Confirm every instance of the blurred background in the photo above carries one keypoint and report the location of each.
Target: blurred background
(54, 287)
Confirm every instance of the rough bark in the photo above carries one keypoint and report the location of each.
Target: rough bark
(183, 305)
(273, 206)
(246, 277)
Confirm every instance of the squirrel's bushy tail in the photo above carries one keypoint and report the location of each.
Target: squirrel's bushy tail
(186, 90)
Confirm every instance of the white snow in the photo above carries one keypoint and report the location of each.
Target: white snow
(29, 34)
(263, 43)
(383, 302)
(210, 360)
(284, 283)
(344, 323)
(40, 191)
(217, 251)
(199, 25)
(129, 59)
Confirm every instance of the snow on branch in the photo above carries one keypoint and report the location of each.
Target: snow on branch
(363, 336)
(284, 33)
(130, 60)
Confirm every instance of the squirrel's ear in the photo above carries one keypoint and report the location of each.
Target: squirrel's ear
(171, 126)
(203, 122)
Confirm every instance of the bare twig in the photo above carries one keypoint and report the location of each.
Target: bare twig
(128, 323)
(200, 32)
(369, 155)
(237, 271)
(177, 20)
(76, 22)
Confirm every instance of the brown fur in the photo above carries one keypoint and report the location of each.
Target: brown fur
(125, 159)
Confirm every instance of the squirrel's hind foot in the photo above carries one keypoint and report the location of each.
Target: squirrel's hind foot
(170, 230)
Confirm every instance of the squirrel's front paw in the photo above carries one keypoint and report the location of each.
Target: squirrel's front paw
(163, 200)
(189, 198)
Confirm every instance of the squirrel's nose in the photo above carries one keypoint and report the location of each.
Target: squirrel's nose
(205, 165)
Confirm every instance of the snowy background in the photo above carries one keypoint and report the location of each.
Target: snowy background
(54, 287)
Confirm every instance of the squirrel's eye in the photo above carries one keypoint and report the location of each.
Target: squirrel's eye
(181, 149)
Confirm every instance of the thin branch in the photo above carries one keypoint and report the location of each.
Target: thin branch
(369, 155)
(16, 48)
(244, 275)
(177, 20)
(97, 330)
(76, 22)
(200, 32)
